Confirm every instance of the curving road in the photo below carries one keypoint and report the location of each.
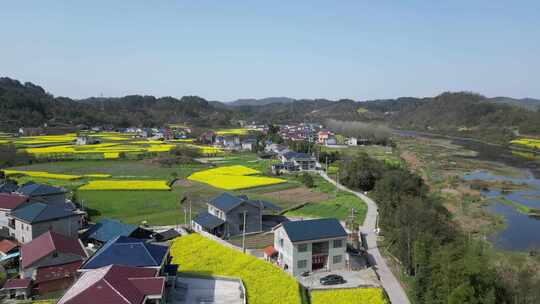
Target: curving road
(389, 282)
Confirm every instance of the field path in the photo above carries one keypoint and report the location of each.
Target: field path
(390, 283)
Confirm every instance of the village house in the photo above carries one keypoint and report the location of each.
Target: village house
(7, 185)
(8, 247)
(310, 245)
(107, 229)
(227, 214)
(249, 145)
(17, 289)
(33, 219)
(357, 141)
(51, 261)
(128, 252)
(43, 193)
(8, 203)
(117, 284)
(294, 161)
(83, 140)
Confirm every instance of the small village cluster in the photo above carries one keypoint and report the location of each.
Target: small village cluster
(48, 246)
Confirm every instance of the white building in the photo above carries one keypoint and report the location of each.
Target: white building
(310, 245)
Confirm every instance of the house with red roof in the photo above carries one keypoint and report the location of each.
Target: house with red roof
(9, 202)
(17, 289)
(51, 261)
(116, 284)
(7, 247)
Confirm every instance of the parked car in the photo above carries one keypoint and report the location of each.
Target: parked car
(332, 279)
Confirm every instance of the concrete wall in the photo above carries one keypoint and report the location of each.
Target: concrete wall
(3, 218)
(24, 232)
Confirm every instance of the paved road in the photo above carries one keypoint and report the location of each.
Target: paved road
(390, 283)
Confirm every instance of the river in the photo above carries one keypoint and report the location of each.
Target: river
(521, 232)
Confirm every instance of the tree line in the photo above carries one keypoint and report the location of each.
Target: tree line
(443, 264)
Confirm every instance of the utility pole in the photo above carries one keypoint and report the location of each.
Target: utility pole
(244, 233)
(337, 181)
(190, 214)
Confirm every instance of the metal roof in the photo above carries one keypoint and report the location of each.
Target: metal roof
(107, 229)
(309, 230)
(128, 252)
(40, 212)
(208, 220)
(33, 189)
(227, 202)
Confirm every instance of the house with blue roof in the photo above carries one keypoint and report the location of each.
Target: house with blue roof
(310, 245)
(35, 218)
(107, 229)
(43, 193)
(128, 251)
(227, 215)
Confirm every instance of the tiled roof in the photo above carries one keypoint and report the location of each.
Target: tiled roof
(51, 273)
(17, 283)
(7, 245)
(32, 189)
(11, 201)
(227, 202)
(208, 221)
(108, 229)
(40, 212)
(129, 252)
(294, 155)
(8, 186)
(48, 243)
(308, 230)
(114, 284)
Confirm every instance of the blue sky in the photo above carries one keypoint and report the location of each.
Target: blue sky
(223, 50)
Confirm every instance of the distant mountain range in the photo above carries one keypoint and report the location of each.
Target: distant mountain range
(461, 113)
(526, 103)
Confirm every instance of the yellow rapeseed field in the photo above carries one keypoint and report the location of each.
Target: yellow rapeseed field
(238, 131)
(97, 175)
(527, 142)
(42, 174)
(349, 296)
(127, 185)
(264, 283)
(233, 178)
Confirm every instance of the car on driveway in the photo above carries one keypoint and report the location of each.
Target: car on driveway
(332, 279)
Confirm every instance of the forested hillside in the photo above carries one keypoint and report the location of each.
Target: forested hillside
(458, 114)
(30, 105)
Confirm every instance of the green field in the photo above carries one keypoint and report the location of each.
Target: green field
(338, 206)
(162, 207)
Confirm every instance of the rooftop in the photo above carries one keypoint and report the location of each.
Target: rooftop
(308, 230)
(17, 284)
(115, 284)
(32, 189)
(208, 220)
(128, 252)
(11, 201)
(48, 243)
(40, 212)
(108, 229)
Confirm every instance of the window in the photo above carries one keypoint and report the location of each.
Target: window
(301, 264)
(338, 243)
(302, 248)
(337, 259)
(281, 243)
(241, 227)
